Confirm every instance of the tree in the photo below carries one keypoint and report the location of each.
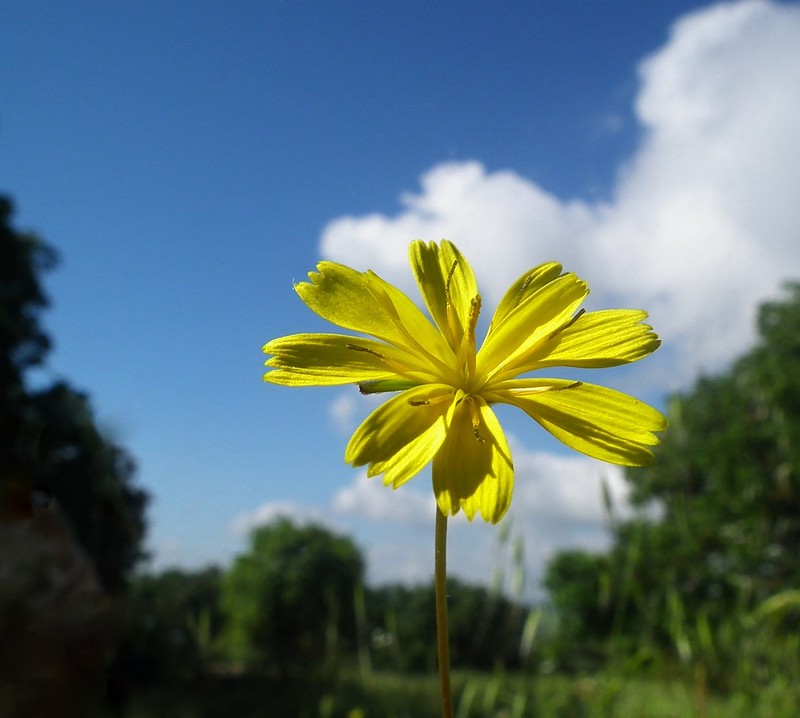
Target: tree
(719, 530)
(580, 590)
(48, 438)
(174, 623)
(71, 520)
(23, 344)
(401, 624)
(289, 601)
(485, 627)
(727, 476)
(55, 627)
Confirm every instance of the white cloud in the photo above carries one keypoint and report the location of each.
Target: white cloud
(702, 224)
(567, 490)
(343, 411)
(490, 215)
(557, 502)
(370, 499)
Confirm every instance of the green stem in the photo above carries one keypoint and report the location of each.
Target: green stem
(442, 640)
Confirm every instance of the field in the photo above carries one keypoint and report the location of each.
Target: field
(385, 695)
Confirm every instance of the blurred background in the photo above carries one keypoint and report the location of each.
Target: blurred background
(168, 172)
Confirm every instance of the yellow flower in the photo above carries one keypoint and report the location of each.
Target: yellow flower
(442, 413)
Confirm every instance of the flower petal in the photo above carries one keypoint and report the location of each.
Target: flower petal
(527, 285)
(401, 436)
(473, 469)
(414, 457)
(594, 420)
(418, 334)
(528, 324)
(330, 359)
(447, 284)
(363, 302)
(595, 340)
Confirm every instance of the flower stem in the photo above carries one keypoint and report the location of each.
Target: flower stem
(442, 639)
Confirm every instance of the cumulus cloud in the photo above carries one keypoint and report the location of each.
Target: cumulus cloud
(567, 490)
(370, 499)
(700, 227)
(558, 501)
(491, 216)
(343, 411)
(702, 223)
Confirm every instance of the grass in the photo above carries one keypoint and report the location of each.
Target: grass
(478, 695)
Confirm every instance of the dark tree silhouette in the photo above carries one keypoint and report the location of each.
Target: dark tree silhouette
(71, 519)
(49, 442)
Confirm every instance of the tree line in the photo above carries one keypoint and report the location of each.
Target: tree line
(295, 605)
(72, 518)
(77, 619)
(706, 573)
(703, 577)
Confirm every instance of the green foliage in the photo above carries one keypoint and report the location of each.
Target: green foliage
(55, 623)
(719, 531)
(289, 600)
(728, 474)
(579, 587)
(485, 627)
(402, 627)
(174, 623)
(727, 481)
(91, 477)
(49, 441)
(71, 520)
(477, 695)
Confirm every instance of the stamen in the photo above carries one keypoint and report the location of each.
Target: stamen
(541, 389)
(474, 312)
(475, 415)
(466, 352)
(523, 289)
(449, 278)
(357, 348)
(393, 364)
(454, 328)
(567, 324)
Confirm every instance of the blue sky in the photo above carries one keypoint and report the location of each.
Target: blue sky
(189, 160)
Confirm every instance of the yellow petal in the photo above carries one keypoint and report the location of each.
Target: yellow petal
(415, 329)
(595, 340)
(364, 302)
(529, 324)
(447, 284)
(340, 295)
(527, 285)
(330, 359)
(401, 436)
(594, 420)
(413, 457)
(473, 470)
